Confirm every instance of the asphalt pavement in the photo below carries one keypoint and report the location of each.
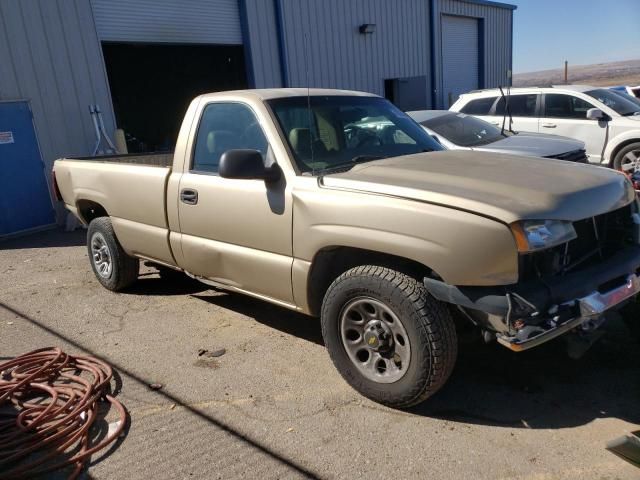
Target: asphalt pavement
(272, 406)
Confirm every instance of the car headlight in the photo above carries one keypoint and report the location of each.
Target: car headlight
(533, 235)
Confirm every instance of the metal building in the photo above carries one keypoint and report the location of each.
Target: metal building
(142, 61)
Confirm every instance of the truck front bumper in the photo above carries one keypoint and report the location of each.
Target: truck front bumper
(528, 314)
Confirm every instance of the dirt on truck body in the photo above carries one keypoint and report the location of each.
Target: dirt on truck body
(338, 205)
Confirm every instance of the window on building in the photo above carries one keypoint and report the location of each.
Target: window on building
(520, 105)
(223, 127)
(558, 105)
(480, 106)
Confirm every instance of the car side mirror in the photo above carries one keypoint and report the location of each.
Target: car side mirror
(246, 164)
(595, 114)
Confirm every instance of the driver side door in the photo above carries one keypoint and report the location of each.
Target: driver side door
(235, 232)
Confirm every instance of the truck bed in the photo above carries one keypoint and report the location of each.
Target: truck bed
(132, 191)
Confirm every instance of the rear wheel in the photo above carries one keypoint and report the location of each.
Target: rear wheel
(627, 159)
(388, 338)
(113, 268)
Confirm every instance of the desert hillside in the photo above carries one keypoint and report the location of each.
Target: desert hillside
(605, 74)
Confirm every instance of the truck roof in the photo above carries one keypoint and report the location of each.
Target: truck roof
(271, 93)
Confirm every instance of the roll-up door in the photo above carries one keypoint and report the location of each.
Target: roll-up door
(460, 57)
(168, 21)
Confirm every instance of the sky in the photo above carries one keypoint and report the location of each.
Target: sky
(548, 32)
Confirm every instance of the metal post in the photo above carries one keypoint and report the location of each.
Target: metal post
(566, 72)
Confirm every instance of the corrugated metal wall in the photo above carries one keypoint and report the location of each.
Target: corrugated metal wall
(50, 55)
(169, 21)
(496, 46)
(262, 42)
(322, 43)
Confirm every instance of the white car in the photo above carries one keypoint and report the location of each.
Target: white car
(589, 114)
(459, 131)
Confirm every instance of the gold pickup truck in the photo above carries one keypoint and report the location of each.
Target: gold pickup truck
(336, 204)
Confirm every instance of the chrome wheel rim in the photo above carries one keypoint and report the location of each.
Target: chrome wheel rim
(101, 256)
(375, 340)
(631, 162)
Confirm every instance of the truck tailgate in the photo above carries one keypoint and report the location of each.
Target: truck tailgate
(132, 194)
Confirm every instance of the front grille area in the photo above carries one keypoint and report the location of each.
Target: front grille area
(599, 238)
(579, 156)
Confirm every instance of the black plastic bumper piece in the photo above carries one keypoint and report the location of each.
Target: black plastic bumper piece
(538, 295)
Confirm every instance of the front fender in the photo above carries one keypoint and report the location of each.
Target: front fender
(461, 247)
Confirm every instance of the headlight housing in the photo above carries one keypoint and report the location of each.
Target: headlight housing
(534, 235)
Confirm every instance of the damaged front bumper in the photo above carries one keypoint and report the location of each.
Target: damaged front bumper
(525, 315)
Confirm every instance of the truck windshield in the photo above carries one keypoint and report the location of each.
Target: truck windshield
(334, 132)
(620, 102)
(464, 130)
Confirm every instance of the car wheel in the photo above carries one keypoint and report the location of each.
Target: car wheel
(113, 268)
(628, 158)
(388, 338)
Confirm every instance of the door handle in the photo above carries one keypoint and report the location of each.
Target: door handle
(189, 196)
(549, 125)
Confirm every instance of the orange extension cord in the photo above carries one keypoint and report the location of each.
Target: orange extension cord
(48, 403)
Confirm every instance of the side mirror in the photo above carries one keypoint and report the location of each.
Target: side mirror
(245, 164)
(595, 114)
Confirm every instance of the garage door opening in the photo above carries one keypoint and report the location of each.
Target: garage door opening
(152, 85)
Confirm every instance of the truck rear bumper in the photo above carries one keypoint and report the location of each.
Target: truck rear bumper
(535, 312)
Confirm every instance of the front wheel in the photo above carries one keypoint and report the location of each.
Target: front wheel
(114, 269)
(627, 160)
(388, 338)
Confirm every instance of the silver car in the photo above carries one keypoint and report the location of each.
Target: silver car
(458, 131)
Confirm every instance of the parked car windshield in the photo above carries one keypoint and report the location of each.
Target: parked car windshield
(464, 130)
(334, 132)
(619, 102)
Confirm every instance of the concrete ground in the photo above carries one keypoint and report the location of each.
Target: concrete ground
(274, 407)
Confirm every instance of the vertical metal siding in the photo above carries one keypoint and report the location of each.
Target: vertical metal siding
(262, 35)
(325, 49)
(168, 21)
(51, 56)
(497, 41)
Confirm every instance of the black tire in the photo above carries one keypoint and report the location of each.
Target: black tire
(619, 158)
(124, 268)
(427, 322)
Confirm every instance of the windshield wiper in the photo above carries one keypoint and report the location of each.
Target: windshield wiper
(631, 114)
(348, 165)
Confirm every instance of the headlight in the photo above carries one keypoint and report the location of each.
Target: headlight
(533, 235)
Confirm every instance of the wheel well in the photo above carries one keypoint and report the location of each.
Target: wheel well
(620, 147)
(331, 262)
(88, 210)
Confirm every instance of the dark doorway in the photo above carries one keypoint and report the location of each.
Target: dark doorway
(153, 84)
(407, 93)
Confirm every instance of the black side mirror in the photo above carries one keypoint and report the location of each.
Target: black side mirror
(246, 164)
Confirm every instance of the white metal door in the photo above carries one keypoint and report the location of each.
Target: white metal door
(460, 57)
(168, 21)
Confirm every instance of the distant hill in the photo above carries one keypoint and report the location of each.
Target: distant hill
(604, 74)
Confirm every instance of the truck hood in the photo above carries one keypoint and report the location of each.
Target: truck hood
(534, 144)
(505, 187)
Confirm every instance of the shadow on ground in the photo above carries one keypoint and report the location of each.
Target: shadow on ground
(541, 388)
(286, 321)
(48, 239)
(291, 464)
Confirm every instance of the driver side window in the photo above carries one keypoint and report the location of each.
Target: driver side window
(225, 126)
(557, 105)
